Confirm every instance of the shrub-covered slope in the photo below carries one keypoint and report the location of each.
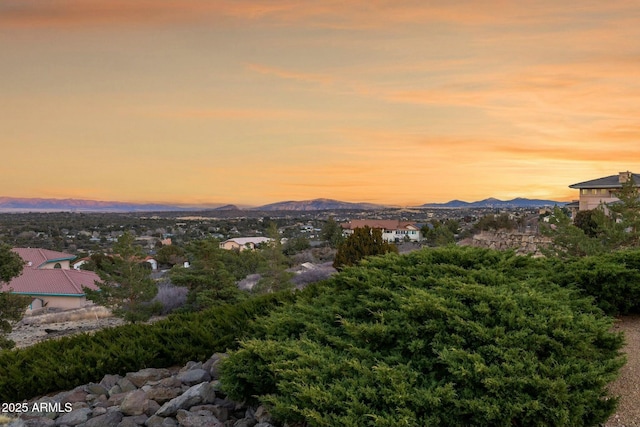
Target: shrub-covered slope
(449, 337)
(69, 362)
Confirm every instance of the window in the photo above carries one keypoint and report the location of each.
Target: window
(57, 265)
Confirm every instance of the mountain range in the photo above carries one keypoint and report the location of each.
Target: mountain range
(518, 202)
(11, 204)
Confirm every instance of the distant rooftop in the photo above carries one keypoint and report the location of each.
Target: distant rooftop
(613, 181)
(37, 256)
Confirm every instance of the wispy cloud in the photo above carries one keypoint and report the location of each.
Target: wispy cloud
(315, 78)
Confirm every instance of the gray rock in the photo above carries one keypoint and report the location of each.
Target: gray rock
(162, 394)
(126, 385)
(111, 418)
(134, 421)
(135, 403)
(97, 389)
(109, 381)
(213, 365)
(153, 407)
(116, 399)
(191, 365)
(16, 423)
(38, 422)
(201, 421)
(74, 418)
(78, 394)
(142, 377)
(245, 422)
(262, 415)
(45, 407)
(170, 382)
(156, 421)
(220, 412)
(128, 422)
(116, 389)
(194, 376)
(98, 410)
(264, 425)
(200, 393)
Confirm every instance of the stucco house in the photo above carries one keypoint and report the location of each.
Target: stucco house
(602, 190)
(243, 243)
(48, 278)
(392, 230)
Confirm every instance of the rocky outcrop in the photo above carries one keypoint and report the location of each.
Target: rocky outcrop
(522, 243)
(187, 397)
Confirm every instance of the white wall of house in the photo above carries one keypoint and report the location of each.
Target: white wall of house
(52, 301)
(63, 264)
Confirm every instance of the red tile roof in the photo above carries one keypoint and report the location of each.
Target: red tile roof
(56, 281)
(37, 256)
(52, 281)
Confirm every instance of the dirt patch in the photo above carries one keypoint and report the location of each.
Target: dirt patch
(34, 329)
(627, 386)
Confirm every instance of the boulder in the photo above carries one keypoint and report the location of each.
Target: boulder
(200, 393)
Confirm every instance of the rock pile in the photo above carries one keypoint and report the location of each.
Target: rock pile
(188, 397)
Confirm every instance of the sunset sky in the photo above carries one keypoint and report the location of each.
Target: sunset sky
(252, 102)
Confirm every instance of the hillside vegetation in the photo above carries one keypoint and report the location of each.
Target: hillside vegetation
(447, 337)
(439, 337)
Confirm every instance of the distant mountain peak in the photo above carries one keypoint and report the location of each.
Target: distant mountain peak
(317, 205)
(227, 208)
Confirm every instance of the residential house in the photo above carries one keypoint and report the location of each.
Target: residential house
(243, 243)
(49, 280)
(392, 230)
(602, 190)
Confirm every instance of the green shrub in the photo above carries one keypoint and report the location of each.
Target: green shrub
(65, 363)
(613, 279)
(450, 337)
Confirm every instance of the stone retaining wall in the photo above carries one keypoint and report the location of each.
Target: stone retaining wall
(522, 243)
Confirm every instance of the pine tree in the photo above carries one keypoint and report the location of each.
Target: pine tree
(274, 275)
(363, 242)
(126, 287)
(332, 233)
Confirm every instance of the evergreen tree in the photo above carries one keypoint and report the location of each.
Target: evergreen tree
(126, 286)
(624, 228)
(332, 233)
(363, 242)
(607, 228)
(12, 306)
(569, 240)
(274, 275)
(586, 221)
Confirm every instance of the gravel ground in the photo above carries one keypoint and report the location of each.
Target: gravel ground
(628, 385)
(25, 335)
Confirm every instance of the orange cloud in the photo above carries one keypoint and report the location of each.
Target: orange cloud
(355, 14)
(576, 152)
